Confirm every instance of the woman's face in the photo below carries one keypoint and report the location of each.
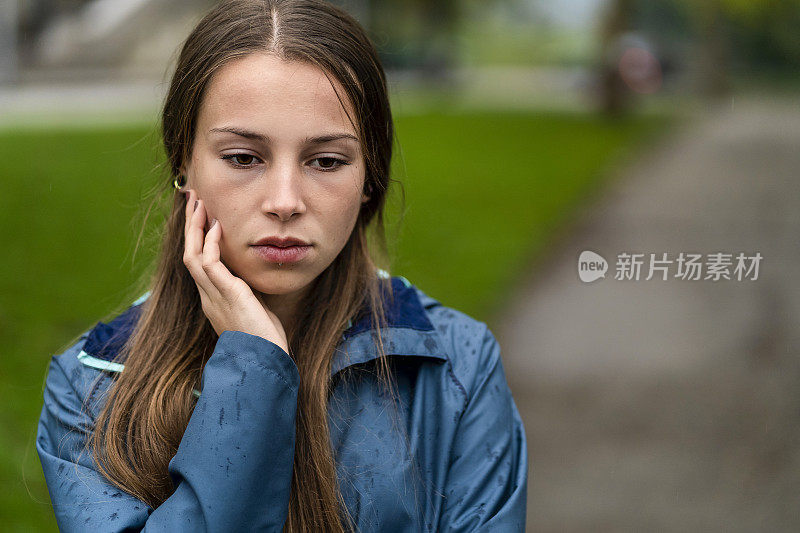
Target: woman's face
(274, 155)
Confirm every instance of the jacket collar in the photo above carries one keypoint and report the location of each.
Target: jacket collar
(409, 333)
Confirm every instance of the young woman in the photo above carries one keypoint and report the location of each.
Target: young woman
(273, 377)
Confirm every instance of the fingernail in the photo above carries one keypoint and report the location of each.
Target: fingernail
(213, 222)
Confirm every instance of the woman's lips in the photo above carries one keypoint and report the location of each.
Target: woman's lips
(277, 254)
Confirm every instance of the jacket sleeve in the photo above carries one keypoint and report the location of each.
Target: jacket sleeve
(486, 488)
(233, 467)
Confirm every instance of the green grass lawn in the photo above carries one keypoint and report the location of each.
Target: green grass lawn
(484, 192)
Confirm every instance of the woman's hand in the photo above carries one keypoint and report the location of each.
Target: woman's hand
(228, 301)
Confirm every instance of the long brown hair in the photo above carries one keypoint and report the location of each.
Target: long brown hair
(151, 401)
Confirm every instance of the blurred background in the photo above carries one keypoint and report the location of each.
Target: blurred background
(528, 131)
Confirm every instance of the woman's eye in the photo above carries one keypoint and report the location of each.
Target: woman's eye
(241, 160)
(328, 164)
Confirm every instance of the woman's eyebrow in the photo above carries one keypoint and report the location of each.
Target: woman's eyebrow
(319, 139)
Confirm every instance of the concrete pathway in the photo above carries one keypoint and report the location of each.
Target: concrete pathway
(671, 405)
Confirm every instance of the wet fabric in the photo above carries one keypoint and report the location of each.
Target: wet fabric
(453, 457)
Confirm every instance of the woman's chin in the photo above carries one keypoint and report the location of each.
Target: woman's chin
(279, 282)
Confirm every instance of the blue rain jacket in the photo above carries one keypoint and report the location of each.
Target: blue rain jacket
(464, 469)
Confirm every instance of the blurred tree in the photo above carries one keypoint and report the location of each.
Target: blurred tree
(706, 23)
(415, 34)
(8, 43)
(438, 30)
(755, 34)
(765, 32)
(706, 39)
(713, 51)
(421, 35)
(614, 94)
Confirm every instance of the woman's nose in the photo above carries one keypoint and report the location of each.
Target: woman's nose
(283, 196)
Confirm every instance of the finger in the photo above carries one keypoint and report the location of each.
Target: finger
(211, 246)
(192, 246)
(190, 259)
(196, 231)
(192, 254)
(218, 273)
(187, 211)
